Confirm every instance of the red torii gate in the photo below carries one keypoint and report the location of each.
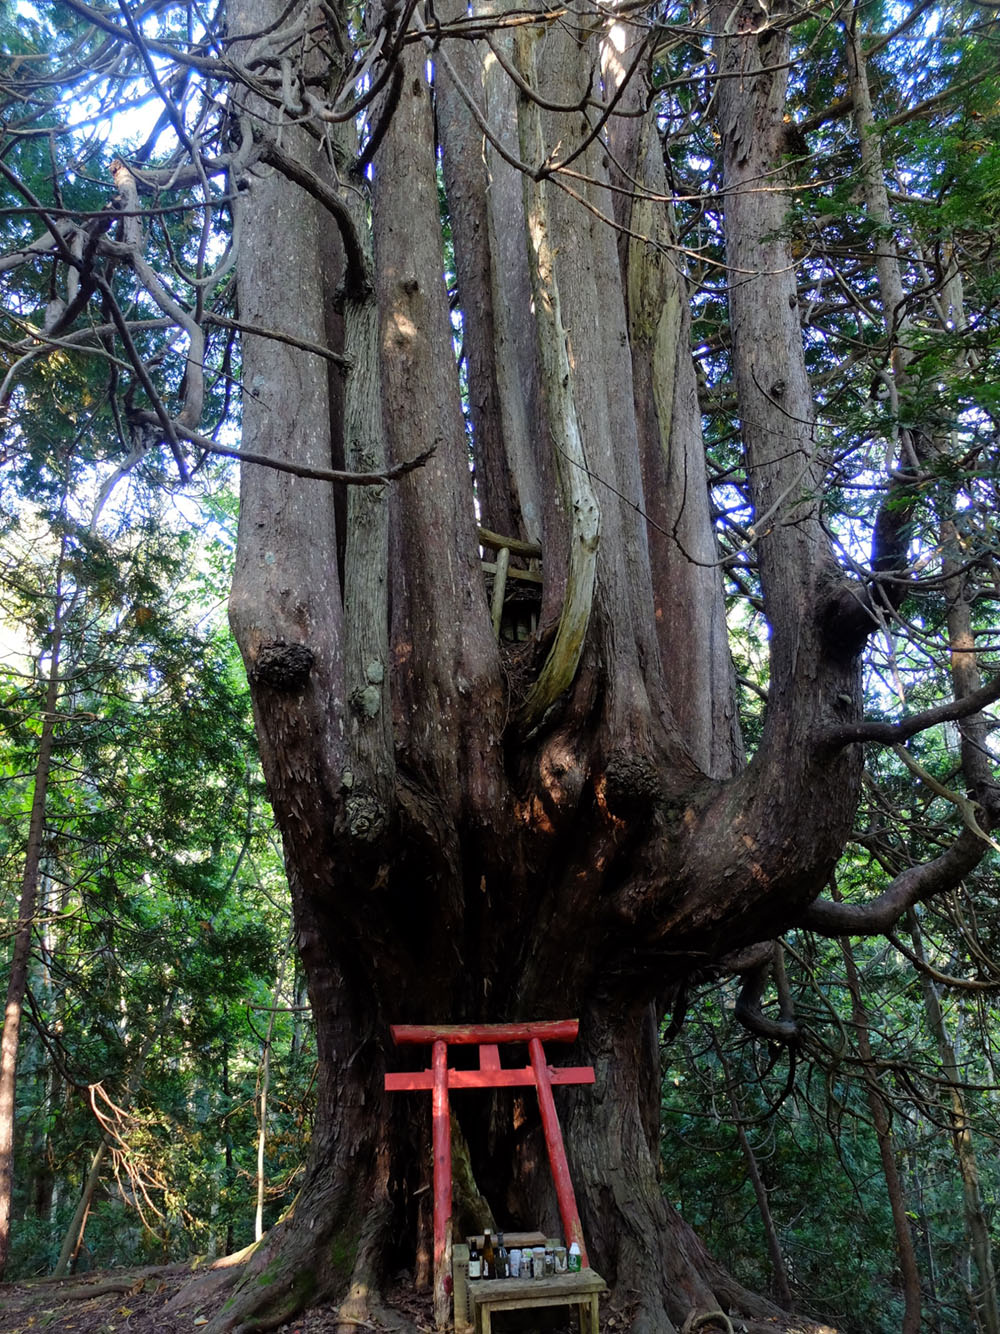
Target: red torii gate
(440, 1078)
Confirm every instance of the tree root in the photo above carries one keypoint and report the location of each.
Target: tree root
(792, 1325)
(103, 1288)
(204, 1287)
(695, 1321)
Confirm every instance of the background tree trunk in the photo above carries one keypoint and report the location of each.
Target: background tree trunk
(879, 1107)
(976, 1224)
(17, 981)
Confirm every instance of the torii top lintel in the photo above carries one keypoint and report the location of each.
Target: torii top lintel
(547, 1030)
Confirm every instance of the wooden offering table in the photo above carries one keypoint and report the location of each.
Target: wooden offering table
(516, 1294)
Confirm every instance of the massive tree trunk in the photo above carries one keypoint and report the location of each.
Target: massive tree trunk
(474, 832)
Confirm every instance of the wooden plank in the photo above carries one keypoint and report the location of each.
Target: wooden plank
(511, 1303)
(499, 589)
(546, 1030)
(401, 1081)
(568, 1211)
(513, 572)
(578, 1290)
(460, 1274)
(567, 1286)
(512, 1239)
(487, 538)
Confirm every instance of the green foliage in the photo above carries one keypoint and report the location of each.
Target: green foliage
(811, 1132)
(163, 908)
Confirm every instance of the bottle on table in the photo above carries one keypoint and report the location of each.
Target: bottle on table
(475, 1260)
(574, 1258)
(502, 1258)
(489, 1257)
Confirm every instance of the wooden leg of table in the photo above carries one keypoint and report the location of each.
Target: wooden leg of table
(593, 1325)
(487, 1323)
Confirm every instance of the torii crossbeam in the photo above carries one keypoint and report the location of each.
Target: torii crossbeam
(440, 1078)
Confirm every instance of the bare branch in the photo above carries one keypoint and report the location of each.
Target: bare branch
(284, 465)
(911, 886)
(835, 738)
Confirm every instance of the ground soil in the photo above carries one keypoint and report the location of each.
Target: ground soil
(133, 1302)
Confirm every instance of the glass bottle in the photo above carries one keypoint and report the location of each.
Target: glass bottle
(489, 1257)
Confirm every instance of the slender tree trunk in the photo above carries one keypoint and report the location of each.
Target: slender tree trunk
(976, 766)
(976, 1223)
(228, 1240)
(782, 1290)
(264, 1089)
(18, 979)
(927, 1240)
(73, 1239)
(878, 1106)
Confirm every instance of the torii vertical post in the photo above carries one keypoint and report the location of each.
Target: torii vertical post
(440, 1078)
(441, 1128)
(568, 1211)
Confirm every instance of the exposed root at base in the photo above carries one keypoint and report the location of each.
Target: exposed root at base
(696, 1321)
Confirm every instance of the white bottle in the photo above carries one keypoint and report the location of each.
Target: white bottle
(574, 1259)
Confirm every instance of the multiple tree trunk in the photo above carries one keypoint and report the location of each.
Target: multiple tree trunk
(474, 833)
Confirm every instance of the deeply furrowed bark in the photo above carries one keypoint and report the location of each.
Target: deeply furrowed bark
(500, 402)
(684, 558)
(440, 620)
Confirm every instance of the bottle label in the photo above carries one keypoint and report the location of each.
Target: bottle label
(475, 1267)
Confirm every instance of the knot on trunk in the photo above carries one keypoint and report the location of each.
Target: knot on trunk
(283, 666)
(632, 783)
(365, 817)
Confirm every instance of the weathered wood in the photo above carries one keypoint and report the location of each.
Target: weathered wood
(568, 1211)
(488, 1079)
(550, 1030)
(528, 576)
(578, 1290)
(441, 1125)
(513, 544)
(499, 588)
